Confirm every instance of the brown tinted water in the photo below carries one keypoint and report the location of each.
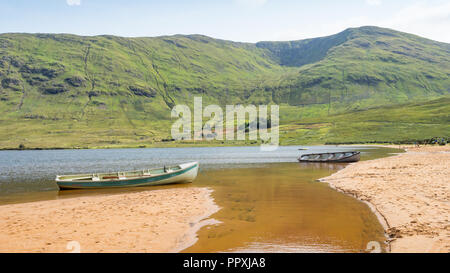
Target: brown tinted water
(282, 208)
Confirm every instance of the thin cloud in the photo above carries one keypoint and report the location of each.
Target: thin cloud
(427, 20)
(251, 3)
(373, 2)
(421, 12)
(73, 2)
(420, 18)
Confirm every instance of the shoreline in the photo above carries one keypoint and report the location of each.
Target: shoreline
(197, 223)
(381, 219)
(409, 201)
(165, 220)
(191, 145)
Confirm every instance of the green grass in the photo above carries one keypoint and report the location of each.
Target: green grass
(60, 90)
(412, 121)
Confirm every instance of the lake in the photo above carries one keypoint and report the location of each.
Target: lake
(269, 202)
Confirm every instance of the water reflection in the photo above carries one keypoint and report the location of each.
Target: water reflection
(319, 165)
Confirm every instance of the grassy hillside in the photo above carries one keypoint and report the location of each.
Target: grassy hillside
(396, 123)
(363, 67)
(60, 90)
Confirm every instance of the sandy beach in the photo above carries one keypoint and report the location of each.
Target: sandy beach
(150, 221)
(410, 192)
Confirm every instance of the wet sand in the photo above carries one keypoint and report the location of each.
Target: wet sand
(149, 221)
(410, 191)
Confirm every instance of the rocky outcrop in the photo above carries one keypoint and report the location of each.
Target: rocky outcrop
(75, 81)
(142, 91)
(363, 79)
(50, 72)
(54, 89)
(11, 83)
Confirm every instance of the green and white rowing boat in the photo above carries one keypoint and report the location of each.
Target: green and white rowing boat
(183, 173)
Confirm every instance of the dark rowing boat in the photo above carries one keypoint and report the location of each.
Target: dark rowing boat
(331, 157)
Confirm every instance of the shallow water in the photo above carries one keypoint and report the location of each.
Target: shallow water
(268, 201)
(281, 207)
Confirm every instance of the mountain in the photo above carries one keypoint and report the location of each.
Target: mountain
(367, 66)
(61, 90)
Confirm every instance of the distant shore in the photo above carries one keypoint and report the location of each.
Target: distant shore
(410, 191)
(188, 145)
(149, 221)
(156, 145)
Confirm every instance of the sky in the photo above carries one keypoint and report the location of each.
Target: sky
(237, 20)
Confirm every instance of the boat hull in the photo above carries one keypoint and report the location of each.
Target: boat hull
(332, 157)
(185, 175)
(353, 158)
